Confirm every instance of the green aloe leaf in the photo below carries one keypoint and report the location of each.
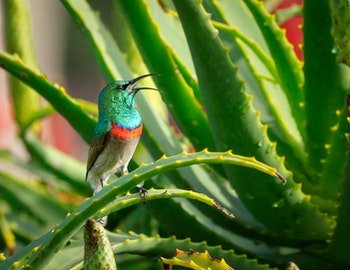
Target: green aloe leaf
(197, 260)
(325, 80)
(170, 31)
(62, 166)
(153, 194)
(257, 69)
(53, 93)
(285, 59)
(236, 125)
(19, 41)
(100, 39)
(6, 234)
(237, 34)
(57, 238)
(71, 256)
(235, 13)
(339, 248)
(333, 173)
(31, 199)
(340, 29)
(199, 225)
(289, 144)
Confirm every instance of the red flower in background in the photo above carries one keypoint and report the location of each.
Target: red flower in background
(293, 27)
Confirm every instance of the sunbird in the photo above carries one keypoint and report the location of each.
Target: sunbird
(117, 132)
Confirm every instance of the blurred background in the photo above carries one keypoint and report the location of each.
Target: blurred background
(60, 50)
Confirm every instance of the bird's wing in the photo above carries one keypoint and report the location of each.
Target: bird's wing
(96, 148)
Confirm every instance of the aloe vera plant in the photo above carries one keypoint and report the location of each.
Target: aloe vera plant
(266, 135)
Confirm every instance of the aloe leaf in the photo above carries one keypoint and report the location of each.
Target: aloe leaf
(331, 183)
(340, 29)
(62, 233)
(62, 166)
(136, 219)
(325, 205)
(262, 84)
(19, 259)
(177, 95)
(285, 59)
(19, 41)
(89, 107)
(236, 125)
(153, 246)
(171, 32)
(197, 218)
(29, 199)
(205, 180)
(34, 117)
(187, 75)
(153, 194)
(291, 81)
(195, 223)
(99, 38)
(53, 93)
(196, 260)
(325, 80)
(6, 234)
(25, 228)
(237, 14)
(339, 248)
(235, 33)
(288, 143)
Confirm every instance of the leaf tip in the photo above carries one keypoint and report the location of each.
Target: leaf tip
(281, 178)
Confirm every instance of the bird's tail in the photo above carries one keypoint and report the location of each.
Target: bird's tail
(97, 185)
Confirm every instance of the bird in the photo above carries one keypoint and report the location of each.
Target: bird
(117, 132)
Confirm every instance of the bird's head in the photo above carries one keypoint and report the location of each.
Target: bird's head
(122, 92)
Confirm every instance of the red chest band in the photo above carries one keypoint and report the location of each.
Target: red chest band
(124, 133)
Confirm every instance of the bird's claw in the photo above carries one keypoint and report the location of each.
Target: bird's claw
(102, 221)
(143, 193)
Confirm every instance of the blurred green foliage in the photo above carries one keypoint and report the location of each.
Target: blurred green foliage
(229, 81)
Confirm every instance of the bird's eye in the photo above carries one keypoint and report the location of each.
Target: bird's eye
(122, 86)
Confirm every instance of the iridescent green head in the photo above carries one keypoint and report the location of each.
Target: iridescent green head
(116, 103)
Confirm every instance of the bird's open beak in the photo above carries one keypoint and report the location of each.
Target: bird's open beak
(135, 80)
(133, 83)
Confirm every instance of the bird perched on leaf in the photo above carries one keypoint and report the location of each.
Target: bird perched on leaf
(117, 133)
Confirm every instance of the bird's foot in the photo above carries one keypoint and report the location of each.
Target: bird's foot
(102, 221)
(143, 193)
